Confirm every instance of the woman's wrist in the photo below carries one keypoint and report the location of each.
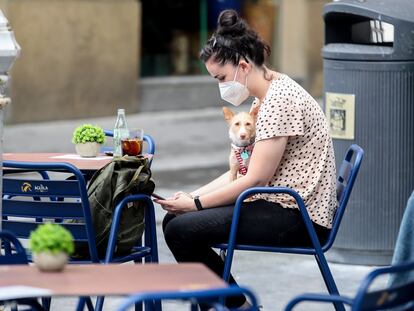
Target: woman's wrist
(190, 195)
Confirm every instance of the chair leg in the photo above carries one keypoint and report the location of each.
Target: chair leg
(223, 254)
(99, 303)
(149, 306)
(138, 306)
(154, 305)
(89, 304)
(150, 234)
(81, 303)
(329, 280)
(46, 303)
(228, 259)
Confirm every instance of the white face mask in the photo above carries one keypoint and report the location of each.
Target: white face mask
(233, 91)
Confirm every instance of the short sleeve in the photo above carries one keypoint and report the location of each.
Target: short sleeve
(308, 161)
(279, 117)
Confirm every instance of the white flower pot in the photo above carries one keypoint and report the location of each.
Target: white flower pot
(48, 261)
(88, 150)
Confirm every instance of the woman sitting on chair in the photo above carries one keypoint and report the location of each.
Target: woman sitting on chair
(292, 149)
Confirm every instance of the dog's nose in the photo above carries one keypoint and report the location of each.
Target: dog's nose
(243, 136)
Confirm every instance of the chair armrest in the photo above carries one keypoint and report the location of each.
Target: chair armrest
(318, 298)
(117, 217)
(255, 190)
(109, 133)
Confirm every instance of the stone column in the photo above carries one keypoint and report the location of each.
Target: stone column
(300, 33)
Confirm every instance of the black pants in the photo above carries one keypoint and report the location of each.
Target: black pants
(191, 235)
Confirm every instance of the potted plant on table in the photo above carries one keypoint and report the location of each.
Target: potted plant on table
(51, 245)
(88, 139)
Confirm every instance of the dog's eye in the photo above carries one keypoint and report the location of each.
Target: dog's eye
(248, 124)
(237, 124)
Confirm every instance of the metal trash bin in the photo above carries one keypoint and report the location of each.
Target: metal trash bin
(368, 60)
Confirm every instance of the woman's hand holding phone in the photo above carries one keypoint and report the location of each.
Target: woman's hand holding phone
(156, 196)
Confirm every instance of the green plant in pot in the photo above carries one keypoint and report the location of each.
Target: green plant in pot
(88, 139)
(51, 245)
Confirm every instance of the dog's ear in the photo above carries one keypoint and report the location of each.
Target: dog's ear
(228, 114)
(254, 110)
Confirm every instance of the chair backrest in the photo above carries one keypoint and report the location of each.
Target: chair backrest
(389, 297)
(147, 138)
(12, 251)
(346, 176)
(29, 201)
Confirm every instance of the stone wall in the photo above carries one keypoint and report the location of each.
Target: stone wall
(79, 59)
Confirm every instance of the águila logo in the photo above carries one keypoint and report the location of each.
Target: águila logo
(26, 187)
(41, 188)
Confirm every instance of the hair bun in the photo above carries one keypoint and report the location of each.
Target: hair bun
(230, 24)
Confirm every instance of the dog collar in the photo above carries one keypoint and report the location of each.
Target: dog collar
(245, 151)
(242, 154)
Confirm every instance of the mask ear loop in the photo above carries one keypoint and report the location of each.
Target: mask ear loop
(237, 70)
(252, 64)
(235, 76)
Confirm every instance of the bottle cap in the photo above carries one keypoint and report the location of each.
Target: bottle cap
(121, 110)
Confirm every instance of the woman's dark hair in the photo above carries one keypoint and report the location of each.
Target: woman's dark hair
(234, 39)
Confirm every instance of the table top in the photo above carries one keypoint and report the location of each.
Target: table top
(81, 163)
(112, 279)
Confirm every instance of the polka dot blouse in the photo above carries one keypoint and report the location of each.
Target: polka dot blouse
(308, 163)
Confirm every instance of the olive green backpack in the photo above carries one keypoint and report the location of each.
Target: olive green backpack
(108, 186)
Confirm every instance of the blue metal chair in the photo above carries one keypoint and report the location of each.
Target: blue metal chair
(21, 215)
(147, 138)
(210, 297)
(401, 296)
(345, 181)
(15, 254)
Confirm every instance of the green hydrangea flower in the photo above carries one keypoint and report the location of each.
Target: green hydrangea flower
(51, 237)
(88, 133)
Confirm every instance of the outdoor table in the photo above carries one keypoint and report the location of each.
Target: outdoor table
(102, 280)
(88, 166)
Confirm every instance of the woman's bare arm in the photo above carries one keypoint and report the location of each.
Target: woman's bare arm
(263, 164)
(217, 183)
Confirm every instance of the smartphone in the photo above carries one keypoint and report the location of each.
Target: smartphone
(157, 196)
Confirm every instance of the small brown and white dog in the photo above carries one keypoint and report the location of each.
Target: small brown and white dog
(242, 132)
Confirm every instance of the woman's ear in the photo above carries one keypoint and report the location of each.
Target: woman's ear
(245, 66)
